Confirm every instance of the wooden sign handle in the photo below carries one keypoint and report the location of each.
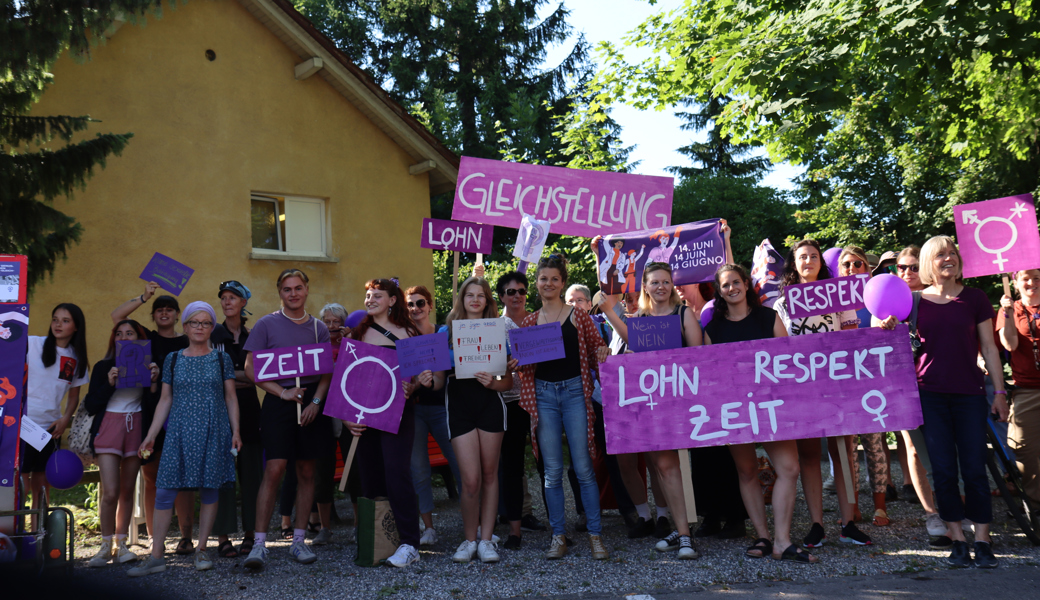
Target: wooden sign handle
(687, 484)
(299, 407)
(846, 468)
(1007, 285)
(455, 278)
(350, 461)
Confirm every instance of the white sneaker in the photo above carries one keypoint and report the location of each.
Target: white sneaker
(968, 527)
(324, 537)
(202, 561)
(302, 553)
(669, 543)
(257, 557)
(429, 537)
(405, 555)
(150, 566)
(104, 554)
(123, 554)
(465, 552)
(487, 551)
(934, 523)
(494, 538)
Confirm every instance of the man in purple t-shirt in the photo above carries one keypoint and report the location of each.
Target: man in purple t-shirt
(282, 436)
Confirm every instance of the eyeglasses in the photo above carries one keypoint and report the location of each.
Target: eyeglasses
(515, 291)
(912, 268)
(421, 303)
(850, 264)
(199, 324)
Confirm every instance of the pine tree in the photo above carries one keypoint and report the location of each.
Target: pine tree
(718, 156)
(35, 33)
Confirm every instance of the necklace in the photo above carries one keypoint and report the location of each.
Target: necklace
(557, 317)
(305, 315)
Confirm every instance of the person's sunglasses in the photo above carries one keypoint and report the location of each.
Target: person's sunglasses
(514, 292)
(421, 303)
(912, 268)
(852, 263)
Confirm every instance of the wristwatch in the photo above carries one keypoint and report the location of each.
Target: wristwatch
(316, 401)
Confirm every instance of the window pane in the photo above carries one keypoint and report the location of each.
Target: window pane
(305, 226)
(265, 225)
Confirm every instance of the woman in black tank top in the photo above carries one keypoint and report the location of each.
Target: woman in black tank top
(739, 317)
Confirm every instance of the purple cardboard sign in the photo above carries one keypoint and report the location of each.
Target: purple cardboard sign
(293, 361)
(14, 340)
(424, 352)
(789, 388)
(536, 344)
(168, 273)
(826, 296)
(132, 360)
(647, 334)
(366, 387)
(694, 251)
(576, 202)
(456, 235)
(998, 236)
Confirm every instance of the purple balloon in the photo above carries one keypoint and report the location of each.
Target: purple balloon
(706, 311)
(887, 295)
(354, 319)
(64, 469)
(831, 258)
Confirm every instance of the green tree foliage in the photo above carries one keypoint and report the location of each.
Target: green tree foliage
(33, 171)
(718, 155)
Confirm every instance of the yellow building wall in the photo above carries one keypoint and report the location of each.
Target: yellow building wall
(206, 135)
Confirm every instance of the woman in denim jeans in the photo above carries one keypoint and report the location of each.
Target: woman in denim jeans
(558, 396)
(954, 321)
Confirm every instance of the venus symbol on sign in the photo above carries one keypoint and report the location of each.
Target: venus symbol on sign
(970, 217)
(880, 408)
(346, 374)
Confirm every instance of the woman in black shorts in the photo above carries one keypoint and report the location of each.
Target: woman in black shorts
(476, 423)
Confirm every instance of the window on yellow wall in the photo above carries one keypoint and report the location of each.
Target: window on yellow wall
(288, 225)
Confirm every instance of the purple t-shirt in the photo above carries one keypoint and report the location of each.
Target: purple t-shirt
(950, 343)
(278, 331)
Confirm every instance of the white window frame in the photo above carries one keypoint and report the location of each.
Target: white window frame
(284, 209)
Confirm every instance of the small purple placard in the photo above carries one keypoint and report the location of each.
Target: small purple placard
(456, 235)
(366, 387)
(789, 388)
(647, 334)
(536, 344)
(132, 360)
(576, 202)
(998, 236)
(424, 353)
(293, 361)
(168, 273)
(826, 296)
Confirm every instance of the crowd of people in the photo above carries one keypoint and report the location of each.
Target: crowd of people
(201, 426)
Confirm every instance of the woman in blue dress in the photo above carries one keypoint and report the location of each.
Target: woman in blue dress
(202, 436)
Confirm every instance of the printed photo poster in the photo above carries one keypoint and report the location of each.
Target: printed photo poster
(366, 387)
(693, 250)
(14, 339)
(479, 345)
(12, 278)
(132, 360)
(530, 239)
(766, 268)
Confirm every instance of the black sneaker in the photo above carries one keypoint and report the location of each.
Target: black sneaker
(984, 558)
(850, 534)
(940, 542)
(960, 557)
(641, 529)
(513, 543)
(890, 493)
(817, 537)
(531, 523)
(910, 494)
(663, 528)
(733, 530)
(711, 526)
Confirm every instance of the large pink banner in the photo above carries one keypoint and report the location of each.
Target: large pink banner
(789, 388)
(998, 236)
(576, 202)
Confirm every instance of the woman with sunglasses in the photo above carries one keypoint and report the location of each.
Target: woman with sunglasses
(908, 269)
(805, 264)
(558, 396)
(853, 261)
(431, 418)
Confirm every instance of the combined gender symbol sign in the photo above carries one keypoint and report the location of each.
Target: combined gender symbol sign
(365, 389)
(998, 236)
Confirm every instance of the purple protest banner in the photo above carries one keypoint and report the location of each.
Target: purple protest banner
(789, 388)
(293, 361)
(132, 360)
(647, 334)
(825, 296)
(168, 273)
(14, 339)
(424, 352)
(576, 202)
(998, 236)
(366, 387)
(693, 250)
(536, 344)
(456, 235)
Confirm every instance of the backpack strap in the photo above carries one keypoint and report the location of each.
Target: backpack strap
(912, 319)
(386, 333)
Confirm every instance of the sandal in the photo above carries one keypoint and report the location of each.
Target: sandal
(762, 546)
(797, 555)
(287, 533)
(880, 518)
(185, 547)
(227, 550)
(313, 528)
(246, 546)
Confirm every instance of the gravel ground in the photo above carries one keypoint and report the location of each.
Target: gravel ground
(634, 566)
